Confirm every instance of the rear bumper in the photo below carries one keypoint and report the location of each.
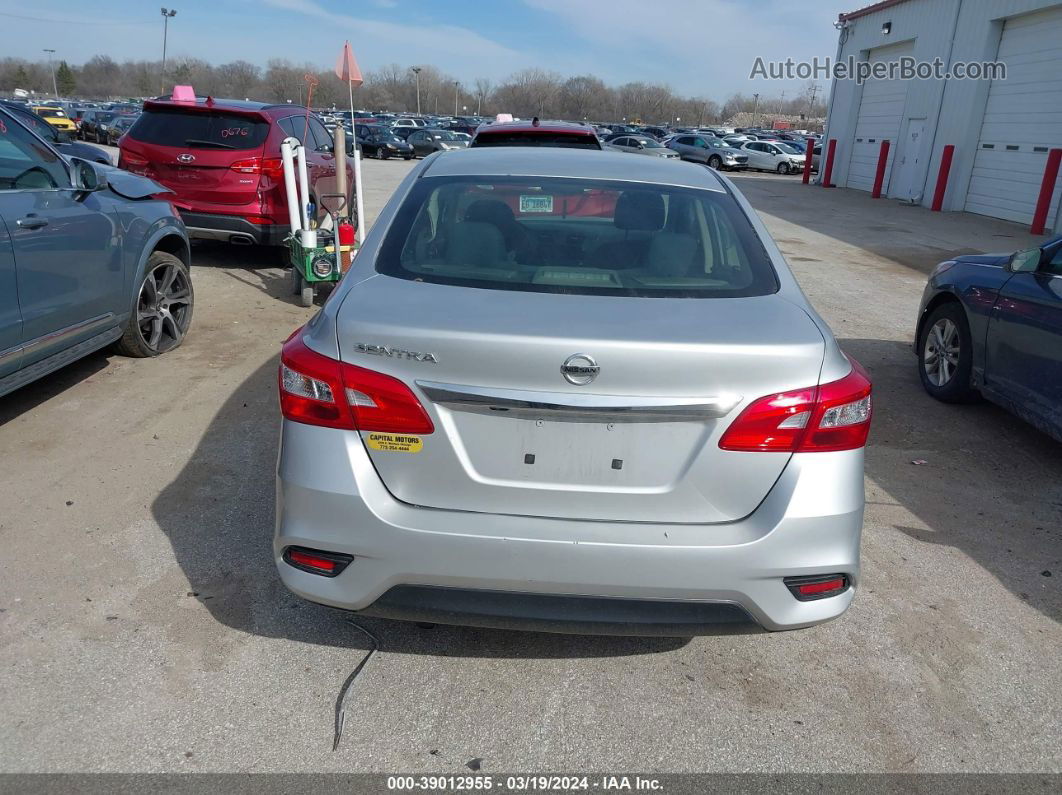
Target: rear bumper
(232, 229)
(330, 498)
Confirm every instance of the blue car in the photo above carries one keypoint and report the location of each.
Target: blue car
(992, 324)
(88, 258)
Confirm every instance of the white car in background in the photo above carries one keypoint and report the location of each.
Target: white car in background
(773, 156)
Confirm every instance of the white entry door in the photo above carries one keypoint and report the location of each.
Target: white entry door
(909, 179)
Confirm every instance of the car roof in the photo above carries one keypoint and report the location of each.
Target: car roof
(579, 163)
(212, 103)
(542, 127)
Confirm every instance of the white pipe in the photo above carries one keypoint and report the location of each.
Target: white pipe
(339, 149)
(304, 186)
(358, 198)
(287, 158)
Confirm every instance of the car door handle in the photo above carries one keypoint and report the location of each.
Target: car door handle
(31, 222)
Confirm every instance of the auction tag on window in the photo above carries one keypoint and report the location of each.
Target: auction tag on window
(395, 443)
(536, 204)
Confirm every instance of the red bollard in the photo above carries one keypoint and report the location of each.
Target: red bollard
(942, 177)
(827, 171)
(1047, 190)
(809, 155)
(879, 178)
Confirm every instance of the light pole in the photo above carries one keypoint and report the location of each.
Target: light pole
(416, 73)
(755, 107)
(51, 63)
(456, 84)
(166, 15)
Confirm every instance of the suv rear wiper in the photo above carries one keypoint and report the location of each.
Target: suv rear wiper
(215, 144)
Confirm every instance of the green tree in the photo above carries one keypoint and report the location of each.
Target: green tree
(65, 80)
(21, 77)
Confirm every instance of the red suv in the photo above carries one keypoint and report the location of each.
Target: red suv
(221, 158)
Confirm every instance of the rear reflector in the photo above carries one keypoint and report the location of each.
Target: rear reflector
(819, 586)
(824, 418)
(317, 390)
(327, 564)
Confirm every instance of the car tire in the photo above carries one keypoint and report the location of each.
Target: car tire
(783, 168)
(945, 354)
(381, 154)
(155, 327)
(407, 157)
(715, 162)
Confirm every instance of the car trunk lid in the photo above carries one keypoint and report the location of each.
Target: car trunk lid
(637, 441)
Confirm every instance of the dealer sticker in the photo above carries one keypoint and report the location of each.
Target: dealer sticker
(536, 204)
(394, 443)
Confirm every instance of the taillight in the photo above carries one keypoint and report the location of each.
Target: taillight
(131, 162)
(267, 166)
(317, 390)
(829, 417)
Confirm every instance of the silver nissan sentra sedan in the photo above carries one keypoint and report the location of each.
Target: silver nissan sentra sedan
(571, 391)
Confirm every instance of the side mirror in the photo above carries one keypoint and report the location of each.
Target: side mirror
(1025, 261)
(86, 177)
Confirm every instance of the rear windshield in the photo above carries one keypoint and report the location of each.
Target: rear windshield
(515, 138)
(199, 129)
(561, 235)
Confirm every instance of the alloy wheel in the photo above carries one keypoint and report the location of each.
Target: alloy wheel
(164, 306)
(941, 354)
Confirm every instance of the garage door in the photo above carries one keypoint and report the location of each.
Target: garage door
(880, 114)
(1023, 120)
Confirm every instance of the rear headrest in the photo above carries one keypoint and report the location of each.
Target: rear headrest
(490, 210)
(639, 209)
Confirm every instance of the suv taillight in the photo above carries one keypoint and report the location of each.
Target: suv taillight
(818, 419)
(136, 165)
(317, 390)
(267, 166)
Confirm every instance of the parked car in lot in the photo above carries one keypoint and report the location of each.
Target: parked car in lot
(61, 141)
(773, 156)
(221, 159)
(537, 133)
(381, 143)
(571, 390)
(710, 151)
(429, 140)
(93, 124)
(117, 127)
(56, 117)
(640, 145)
(87, 258)
(992, 324)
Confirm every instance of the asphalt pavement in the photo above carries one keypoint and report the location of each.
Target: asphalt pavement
(143, 627)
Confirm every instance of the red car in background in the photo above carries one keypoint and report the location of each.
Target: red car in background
(221, 158)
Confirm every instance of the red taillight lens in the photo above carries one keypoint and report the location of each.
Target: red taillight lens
(327, 564)
(131, 162)
(268, 166)
(317, 390)
(819, 586)
(830, 417)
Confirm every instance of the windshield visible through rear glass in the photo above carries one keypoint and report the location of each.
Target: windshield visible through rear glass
(563, 235)
(199, 129)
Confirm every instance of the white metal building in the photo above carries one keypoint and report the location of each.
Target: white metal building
(1002, 130)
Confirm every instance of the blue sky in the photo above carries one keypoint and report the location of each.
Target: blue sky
(699, 47)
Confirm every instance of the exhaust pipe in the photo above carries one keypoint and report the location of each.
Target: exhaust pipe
(241, 240)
